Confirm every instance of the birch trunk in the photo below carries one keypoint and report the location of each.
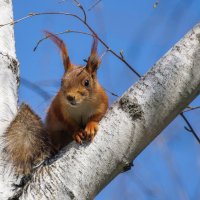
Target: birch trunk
(9, 79)
(81, 172)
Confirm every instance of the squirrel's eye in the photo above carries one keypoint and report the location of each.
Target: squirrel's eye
(86, 83)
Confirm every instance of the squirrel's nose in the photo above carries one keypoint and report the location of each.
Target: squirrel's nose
(70, 98)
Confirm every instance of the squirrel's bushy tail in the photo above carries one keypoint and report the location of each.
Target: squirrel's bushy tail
(26, 141)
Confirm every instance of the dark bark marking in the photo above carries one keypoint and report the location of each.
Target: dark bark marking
(131, 107)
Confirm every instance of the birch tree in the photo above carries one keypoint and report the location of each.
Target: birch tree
(9, 80)
(131, 123)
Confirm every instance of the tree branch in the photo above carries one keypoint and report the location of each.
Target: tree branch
(80, 172)
(190, 129)
(63, 32)
(88, 27)
(189, 108)
(82, 9)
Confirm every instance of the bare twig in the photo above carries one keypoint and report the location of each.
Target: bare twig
(94, 5)
(63, 32)
(69, 31)
(33, 14)
(112, 93)
(16, 21)
(82, 9)
(190, 129)
(191, 108)
(89, 28)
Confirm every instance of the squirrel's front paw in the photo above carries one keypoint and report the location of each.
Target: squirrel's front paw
(90, 130)
(78, 137)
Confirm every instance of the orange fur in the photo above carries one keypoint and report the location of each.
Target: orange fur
(73, 115)
(61, 45)
(78, 107)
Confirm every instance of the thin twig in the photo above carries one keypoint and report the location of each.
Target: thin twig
(94, 5)
(82, 9)
(89, 28)
(112, 93)
(63, 32)
(191, 108)
(70, 31)
(16, 21)
(190, 129)
(33, 14)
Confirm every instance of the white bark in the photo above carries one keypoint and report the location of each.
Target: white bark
(8, 88)
(132, 122)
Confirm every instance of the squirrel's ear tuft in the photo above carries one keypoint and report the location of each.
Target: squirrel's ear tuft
(66, 61)
(93, 60)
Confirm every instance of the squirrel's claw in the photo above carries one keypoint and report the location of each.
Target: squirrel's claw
(78, 136)
(91, 130)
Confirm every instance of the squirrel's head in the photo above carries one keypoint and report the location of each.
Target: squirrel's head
(79, 83)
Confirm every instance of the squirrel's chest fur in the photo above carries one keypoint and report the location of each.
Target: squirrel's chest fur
(81, 113)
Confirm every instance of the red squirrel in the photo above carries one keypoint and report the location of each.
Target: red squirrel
(80, 103)
(74, 114)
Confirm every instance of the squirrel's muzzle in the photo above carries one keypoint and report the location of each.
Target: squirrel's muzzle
(71, 99)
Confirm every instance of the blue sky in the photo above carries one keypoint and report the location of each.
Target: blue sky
(169, 168)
